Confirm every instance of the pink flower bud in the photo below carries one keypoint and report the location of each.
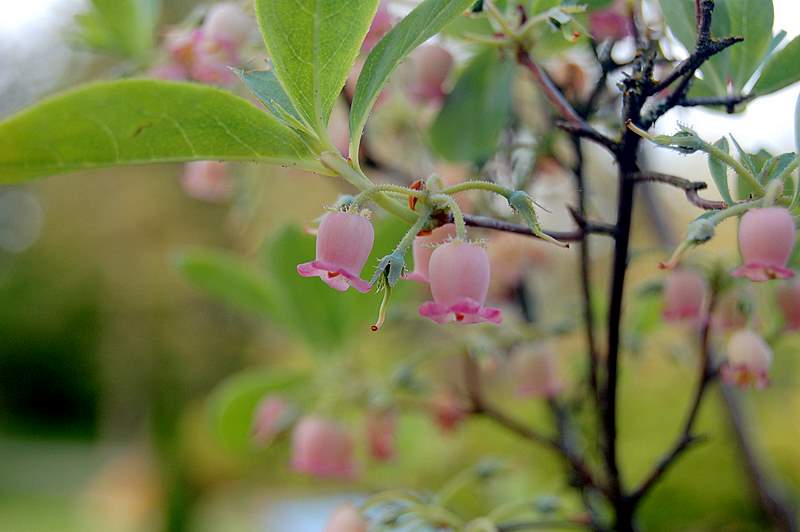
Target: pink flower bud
(766, 239)
(423, 248)
(344, 242)
(611, 23)
(431, 66)
(448, 411)
(458, 273)
(749, 359)
(346, 518)
(381, 429)
(272, 415)
(226, 22)
(380, 26)
(536, 373)
(789, 301)
(322, 449)
(207, 181)
(685, 295)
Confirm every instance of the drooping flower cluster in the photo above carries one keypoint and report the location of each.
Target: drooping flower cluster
(685, 296)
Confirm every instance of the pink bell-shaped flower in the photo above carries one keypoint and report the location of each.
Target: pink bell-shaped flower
(344, 242)
(766, 239)
(346, 518)
(789, 301)
(272, 415)
(381, 429)
(458, 273)
(227, 22)
(381, 24)
(431, 66)
(685, 296)
(749, 359)
(322, 448)
(536, 373)
(423, 249)
(207, 181)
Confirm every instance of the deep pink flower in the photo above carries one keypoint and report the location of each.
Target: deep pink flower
(227, 22)
(766, 239)
(612, 23)
(207, 180)
(431, 66)
(381, 430)
(344, 242)
(536, 373)
(458, 273)
(423, 248)
(380, 26)
(789, 301)
(748, 361)
(346, 518)
(271, 417)
(322, 448)
(685, 294)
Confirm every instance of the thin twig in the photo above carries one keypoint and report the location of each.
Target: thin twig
(486, 222)
(690, 188)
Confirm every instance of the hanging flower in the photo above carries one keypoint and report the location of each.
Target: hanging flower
(381, 429)
(271, 417)
(322, 449)
(536, 373)
(458, 273)
(749, 359)
(448, 411)
(381, 24)
(226, 22)
(766, 239)
(344, 242)
(685, 296)
(207, 181)
(423, 248)
(346, 518)
(789, 301)
(431, 66)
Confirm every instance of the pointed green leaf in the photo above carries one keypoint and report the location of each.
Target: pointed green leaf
(138, 122)
(719, 171)
(427, 19)
(124, 27)
(475, 113)
(313, 45)
(229, 278)
(265, 86)
(781, 70)
(751, 19)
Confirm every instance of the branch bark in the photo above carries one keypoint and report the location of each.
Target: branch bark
(689, 187)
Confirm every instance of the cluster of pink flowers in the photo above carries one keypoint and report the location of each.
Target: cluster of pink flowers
(457, 272)
(206, 53)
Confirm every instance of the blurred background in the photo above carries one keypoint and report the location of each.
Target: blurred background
(112, 362)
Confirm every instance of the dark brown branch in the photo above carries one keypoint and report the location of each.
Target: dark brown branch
(706, 374)
(486, 222)
(713, 101)
(691, 189)
(689, 66)
(574, 122)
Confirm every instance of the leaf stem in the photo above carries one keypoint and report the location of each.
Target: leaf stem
(455, 211)
(478, 185)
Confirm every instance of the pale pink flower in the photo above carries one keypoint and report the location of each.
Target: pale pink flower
(423, 248)
(271, 417)
(431, 67)
(536, 373)
(458, 273)
(748, 361)
(381, 428)
(685, 296)
(207, 180)
(344, 242)
(346, 518)
(198, 56)
(789, 301)
(380, 26)
(321, 448)
(766, 239)
(227, 22)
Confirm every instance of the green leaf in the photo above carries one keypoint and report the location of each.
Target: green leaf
(781, 70)
(427, 19)
(142, 121)
(266, 87)
(124, 27)
(751, 19)
(233, 403)
(719, 171)
(229, 278)
(476, 112)
(313, 45)
(680, 18)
